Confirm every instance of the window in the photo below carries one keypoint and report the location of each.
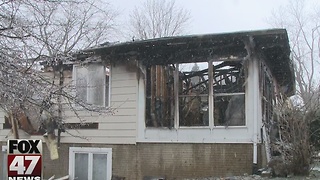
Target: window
(268, 98)
(90, 163)
(92, 83)
(229, 93)
(4, 162)
(193, 94)
(198, 94)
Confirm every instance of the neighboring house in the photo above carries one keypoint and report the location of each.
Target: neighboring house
(188, 106)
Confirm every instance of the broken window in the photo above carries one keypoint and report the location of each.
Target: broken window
(196, 94)
(193, 94)
(159, 96)
(267, 87)
(92, 83)
(229, 93)
(268, 92)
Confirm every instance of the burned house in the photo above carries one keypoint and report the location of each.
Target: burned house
(185, 107)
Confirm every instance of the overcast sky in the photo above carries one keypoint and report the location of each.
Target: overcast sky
(216, 16)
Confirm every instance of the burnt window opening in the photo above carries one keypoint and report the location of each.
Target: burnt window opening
(268, 98)
(193, 94)
(160, 96)
(196, 94)
(229, 93)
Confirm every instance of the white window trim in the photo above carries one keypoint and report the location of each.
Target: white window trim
(3, 151)
(4, 148)
(90, 151)
(74, 77)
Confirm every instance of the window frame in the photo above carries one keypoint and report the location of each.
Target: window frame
(210, 99)
(177, 96)
(106, 96)
(90, 152)
(228, 94)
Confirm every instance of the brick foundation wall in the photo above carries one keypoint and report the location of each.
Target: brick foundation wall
(174, 161)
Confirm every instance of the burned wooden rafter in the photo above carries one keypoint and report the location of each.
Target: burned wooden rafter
(215, 68)
(220, 75)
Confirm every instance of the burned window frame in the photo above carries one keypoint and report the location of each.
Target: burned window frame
(267, 89)
(229, 102)
(176, 110)
(191, 94)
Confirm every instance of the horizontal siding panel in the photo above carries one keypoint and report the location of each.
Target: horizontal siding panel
(124, 104)
(117, 125)
(124, 90)
(68, 81)
(82, 133)
(123, 83)
(100, 133)
(121, 119)
(123, 97)
(104, 140)
(89, 119)
(2, 119)
(70, 113)
(98, 119)
(117, 111)
(7, 133)
(2, 114)
(125, 112)
(119, 68)
(124, 76)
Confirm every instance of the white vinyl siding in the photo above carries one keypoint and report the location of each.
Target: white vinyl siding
(121, 126)
(117, 128)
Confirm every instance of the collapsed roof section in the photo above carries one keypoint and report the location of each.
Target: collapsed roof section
(272, 45)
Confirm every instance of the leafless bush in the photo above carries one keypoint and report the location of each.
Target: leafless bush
(293, 143)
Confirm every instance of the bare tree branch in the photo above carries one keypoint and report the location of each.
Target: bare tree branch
(47, 31)
(158, 19)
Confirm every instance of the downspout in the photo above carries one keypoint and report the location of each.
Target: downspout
(255, 114)
(254, 90)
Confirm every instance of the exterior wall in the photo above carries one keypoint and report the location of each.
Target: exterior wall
(172, 160)
(118, 128)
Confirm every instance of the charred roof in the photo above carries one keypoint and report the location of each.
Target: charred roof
(272, 45)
